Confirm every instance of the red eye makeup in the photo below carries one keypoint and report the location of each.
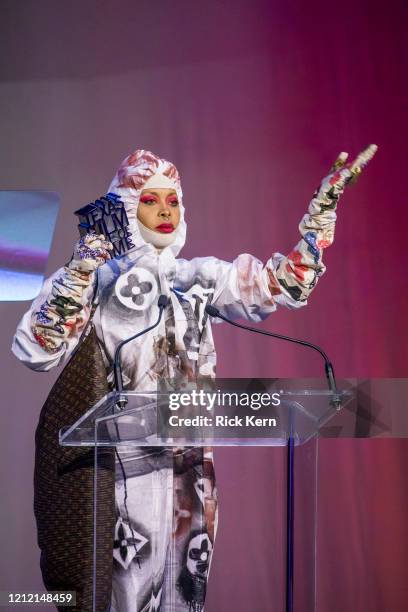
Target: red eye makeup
(148, 198)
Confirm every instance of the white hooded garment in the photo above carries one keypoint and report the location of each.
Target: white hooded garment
(129, 287)
(180, 348)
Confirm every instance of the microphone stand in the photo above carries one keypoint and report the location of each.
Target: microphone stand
(122, 401)
(335, 401)
(117, 369)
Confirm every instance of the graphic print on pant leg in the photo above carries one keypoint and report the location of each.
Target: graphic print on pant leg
(137, 582)
(194, 524)
(127, 543)
(172, 510)
(192, 581)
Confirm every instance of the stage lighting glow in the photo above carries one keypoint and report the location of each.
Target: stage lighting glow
(26, 229)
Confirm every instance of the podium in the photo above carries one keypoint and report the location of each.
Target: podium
(137, 420)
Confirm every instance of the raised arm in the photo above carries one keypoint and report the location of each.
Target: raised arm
(246, 288)
(49, 331)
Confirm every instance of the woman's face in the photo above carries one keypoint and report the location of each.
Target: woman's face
(159, 210)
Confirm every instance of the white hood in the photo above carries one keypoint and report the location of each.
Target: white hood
(133, 173)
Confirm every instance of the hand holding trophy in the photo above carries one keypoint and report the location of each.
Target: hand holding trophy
(90, 252)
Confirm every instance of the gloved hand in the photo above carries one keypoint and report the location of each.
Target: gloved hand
(90, 252)
(317, 227)
(342, 174)
(297, 274)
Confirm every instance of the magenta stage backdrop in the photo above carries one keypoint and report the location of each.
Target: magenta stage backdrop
(252, 101)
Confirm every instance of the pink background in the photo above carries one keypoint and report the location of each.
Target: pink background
(252, 101)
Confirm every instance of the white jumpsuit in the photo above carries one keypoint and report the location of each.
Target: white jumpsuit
(164, 538)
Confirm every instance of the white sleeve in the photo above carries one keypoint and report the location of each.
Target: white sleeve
(27, 348)
(247, 288)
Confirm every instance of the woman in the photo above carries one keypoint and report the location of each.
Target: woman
(164, 535)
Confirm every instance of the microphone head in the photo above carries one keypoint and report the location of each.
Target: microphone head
(163, 301)
(212, 310)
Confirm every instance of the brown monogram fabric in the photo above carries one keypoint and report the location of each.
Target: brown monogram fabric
(63, 486)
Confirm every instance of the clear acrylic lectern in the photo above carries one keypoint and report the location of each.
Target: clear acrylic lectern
(141, 419)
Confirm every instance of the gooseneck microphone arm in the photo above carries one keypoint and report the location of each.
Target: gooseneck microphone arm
(214, 312)
(117, 370)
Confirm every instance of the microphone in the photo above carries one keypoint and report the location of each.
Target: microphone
(336, 400)
(117, 370)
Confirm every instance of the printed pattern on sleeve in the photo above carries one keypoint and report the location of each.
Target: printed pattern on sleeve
(297, 274)
(62, 313)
